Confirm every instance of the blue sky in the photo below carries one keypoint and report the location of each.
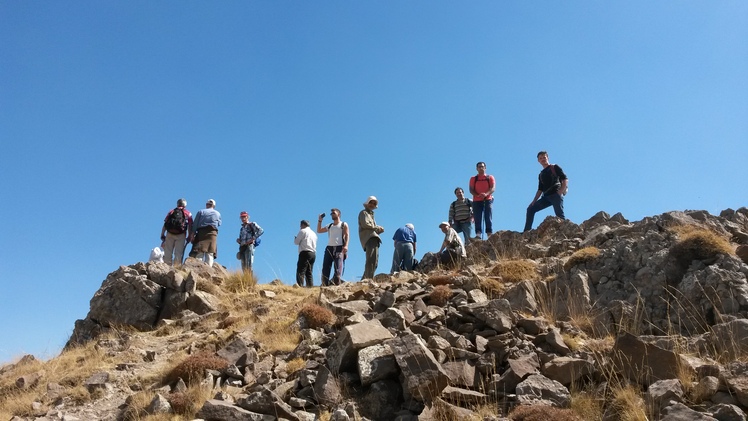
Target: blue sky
(111, 111)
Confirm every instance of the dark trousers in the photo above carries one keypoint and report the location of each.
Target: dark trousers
(372, 257)
(304, 268)
(482, 212)
(333, 254)
(555, 200)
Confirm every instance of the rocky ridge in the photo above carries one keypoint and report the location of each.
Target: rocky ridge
(605, 304)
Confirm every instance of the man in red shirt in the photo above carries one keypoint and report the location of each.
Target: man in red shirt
(482, 187)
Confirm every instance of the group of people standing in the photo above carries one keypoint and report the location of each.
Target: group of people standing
(179, 229)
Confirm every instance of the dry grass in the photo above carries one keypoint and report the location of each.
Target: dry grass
(542, 413)
(189, 402)
(240, 282)
(516, 270)
(317, 316)
(192, 369)
(697, 243)
(580, 256)
(492, 287)
(439, 280)
(440, 295)
(628, 404)
(586, 405)
(295, 365)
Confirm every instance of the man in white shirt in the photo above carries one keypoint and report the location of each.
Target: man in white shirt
(337, 247)
(453, 250)
(306, 239)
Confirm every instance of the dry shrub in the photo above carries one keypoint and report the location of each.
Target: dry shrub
(580, 256)
(240, 281)
(696, 243)
(492, 287)
(439, 280)
(190, 401)
(440, 295)
(278, 334)
(516, 270)
(192, 369)
(542, 413)
(317, 316)
(295, 365)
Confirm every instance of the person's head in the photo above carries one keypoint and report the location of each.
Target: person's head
(459, 193)
(335, 214)
(210, 203)
(411, 226)
(304, 223)
(182, 203)
(444, 226)
(244, 216)
(543, 158)
(371, 203)
(481, 167)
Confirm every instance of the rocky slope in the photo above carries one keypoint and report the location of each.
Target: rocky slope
(563, 316)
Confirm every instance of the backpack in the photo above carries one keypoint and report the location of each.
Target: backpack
(556, 180)
(253, 227)
(176, 221)
(474, 179)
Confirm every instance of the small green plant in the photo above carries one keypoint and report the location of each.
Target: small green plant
(317, 316)
(516, 270)
(192, 369)
(440, 295)
(580, 256)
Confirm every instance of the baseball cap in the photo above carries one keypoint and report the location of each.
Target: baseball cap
(211, 201)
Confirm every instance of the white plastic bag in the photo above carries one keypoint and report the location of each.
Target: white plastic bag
(157, 255)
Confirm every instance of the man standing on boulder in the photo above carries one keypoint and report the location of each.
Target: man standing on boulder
(368, 233)
(461, 215)
(205, 232)
(249, 234)
(552, 185)
(175, 233)
(306, 239)
(482, 187)
(337, 247)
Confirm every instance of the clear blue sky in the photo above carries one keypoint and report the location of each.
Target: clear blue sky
(111, 111)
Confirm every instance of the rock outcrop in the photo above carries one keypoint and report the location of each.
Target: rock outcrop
(672, 321)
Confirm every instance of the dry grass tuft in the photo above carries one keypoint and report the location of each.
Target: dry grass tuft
(516, 270)
(295, 365)
(492, 287)
(628, 405)
(439, 280)
(192, 369)
(136, 405)
(440, 295)
(240, 282)
(542, 413)
(587, 406)
(317, 316)
(580, 256)
(696, 243)
(187, 403)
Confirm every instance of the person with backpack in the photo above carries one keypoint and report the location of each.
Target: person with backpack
(552, 186)
(461, 215)
(175, 233)
(482, 187)
(337, 247)
(249, 238)
(205, 234)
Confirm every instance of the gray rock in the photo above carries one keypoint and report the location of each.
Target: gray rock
(264, 401)
(662, 392)
(424, 376)
(341, 355)
(566, 370)
(725, 412)
(225, 411)
(496, 314)
(680, 412)
(538, 387)
(376, 363)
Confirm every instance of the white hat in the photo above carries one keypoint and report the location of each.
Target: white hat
(370, 199)
(443, 224)
(212, 202)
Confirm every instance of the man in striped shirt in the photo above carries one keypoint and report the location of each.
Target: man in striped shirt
(461, 215)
